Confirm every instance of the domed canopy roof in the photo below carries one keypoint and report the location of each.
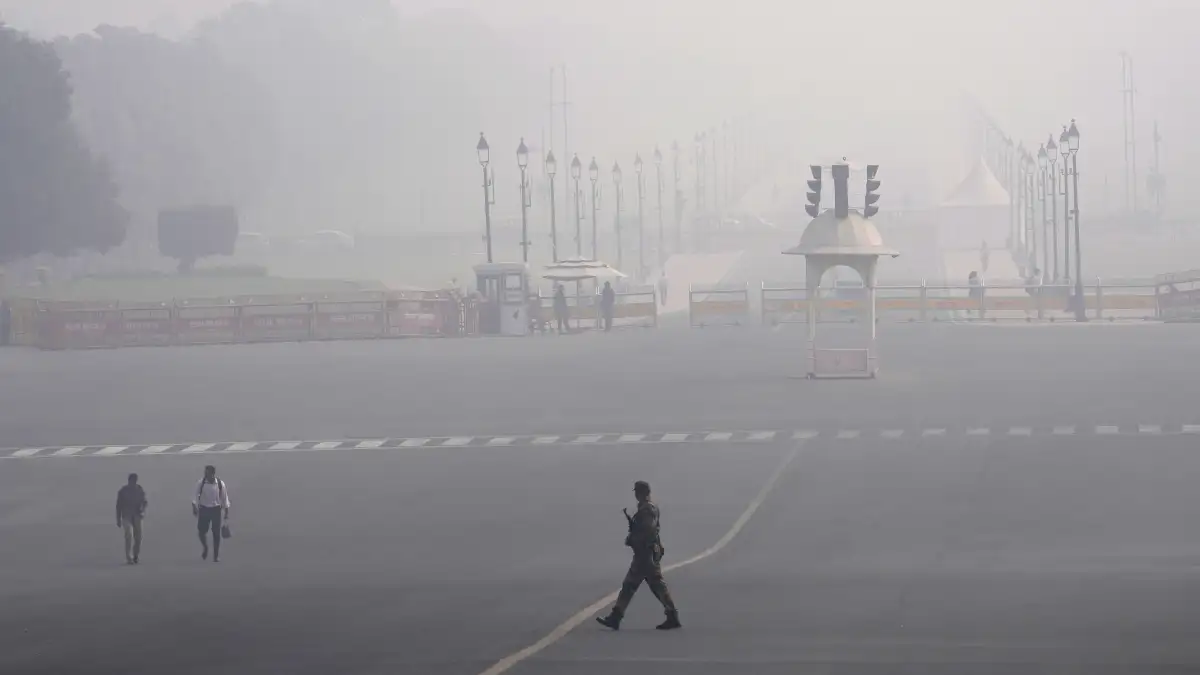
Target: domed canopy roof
(853, 235)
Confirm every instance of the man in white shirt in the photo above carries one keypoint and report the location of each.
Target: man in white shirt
(209, 500)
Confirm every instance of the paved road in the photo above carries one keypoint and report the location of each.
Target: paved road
(994, 556)
(639, 381)
(921, 555)
(390, 562)
(926, 554)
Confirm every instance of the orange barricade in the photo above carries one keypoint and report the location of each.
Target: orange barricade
(79, 329)
(718, 305)
(275, 323)
(415, 314)
(23, 317)
(635, 307)
(197, 323)
(336, 320)
(149, 325)
(1112, 300)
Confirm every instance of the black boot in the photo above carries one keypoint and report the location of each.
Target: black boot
(672, 621)
(613, 620)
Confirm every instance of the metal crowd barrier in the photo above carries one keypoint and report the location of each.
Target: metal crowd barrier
(783, 303)
(718, 305)
(635, 307)
(1179, 295)
(195, 321)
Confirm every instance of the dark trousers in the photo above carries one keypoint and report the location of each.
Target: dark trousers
(210, 518)
(643, 568)
(564, 322)
(608, 318)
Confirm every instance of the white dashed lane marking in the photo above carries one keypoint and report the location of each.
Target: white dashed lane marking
(764, 436)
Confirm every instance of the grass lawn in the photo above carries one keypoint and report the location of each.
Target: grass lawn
(172, 287)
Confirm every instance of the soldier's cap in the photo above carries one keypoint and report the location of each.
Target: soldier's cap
(641, 486)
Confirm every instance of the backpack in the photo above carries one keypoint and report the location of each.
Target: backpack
(220, 491)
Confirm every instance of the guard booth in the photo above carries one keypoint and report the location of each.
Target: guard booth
(830, 241)
(505, 290)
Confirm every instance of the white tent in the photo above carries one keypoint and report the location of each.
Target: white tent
(980, 189)
(975, 212)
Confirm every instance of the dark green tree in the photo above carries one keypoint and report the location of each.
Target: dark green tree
(55, 195)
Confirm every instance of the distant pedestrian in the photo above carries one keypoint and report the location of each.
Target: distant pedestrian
(210, 502)
(608, 300)
(645, 540)
(131, 508)
(662, 290)
(975, 292)
(562, 312)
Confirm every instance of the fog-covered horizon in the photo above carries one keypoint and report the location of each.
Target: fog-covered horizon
(879, 81)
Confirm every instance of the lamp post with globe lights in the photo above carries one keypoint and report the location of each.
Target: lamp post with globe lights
(616, 176)
(483, 151)
(576, 174)
(594, 175)
(641, 196)
(1064, 149)
(551, 170)
(1052, 197)
(1043, 167)
(678, 199)
(523, 164)
(1073, 147)
(658, 159)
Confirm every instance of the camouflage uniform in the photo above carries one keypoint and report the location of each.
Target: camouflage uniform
(647, 560)
(646, 566)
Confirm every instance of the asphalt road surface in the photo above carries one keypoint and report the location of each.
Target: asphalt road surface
(635, 381)
(937, 550)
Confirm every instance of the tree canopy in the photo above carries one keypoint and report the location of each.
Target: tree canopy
(55, 195)
(179, 125)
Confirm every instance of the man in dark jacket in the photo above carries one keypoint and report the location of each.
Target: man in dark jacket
(648, 551)
(562, 312)
(608, 299)
(131, 508)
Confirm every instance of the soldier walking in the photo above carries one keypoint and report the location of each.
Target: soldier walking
(648, 551)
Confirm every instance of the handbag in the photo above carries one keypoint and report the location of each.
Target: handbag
(226, 533)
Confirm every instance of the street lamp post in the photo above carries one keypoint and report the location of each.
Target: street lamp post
(576, 170)
(1052, 196)
(522, 164)
(1073, 144)
(717, 177)
(1017, 187)
(1030, 227)
(482, 149)
(659, 187)
(594, 175)
(551, 169)
(616, 176)
(1043, 165)
(677, 198)
(641, 197)
(1065, 149)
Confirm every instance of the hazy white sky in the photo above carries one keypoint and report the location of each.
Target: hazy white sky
(872, 74)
